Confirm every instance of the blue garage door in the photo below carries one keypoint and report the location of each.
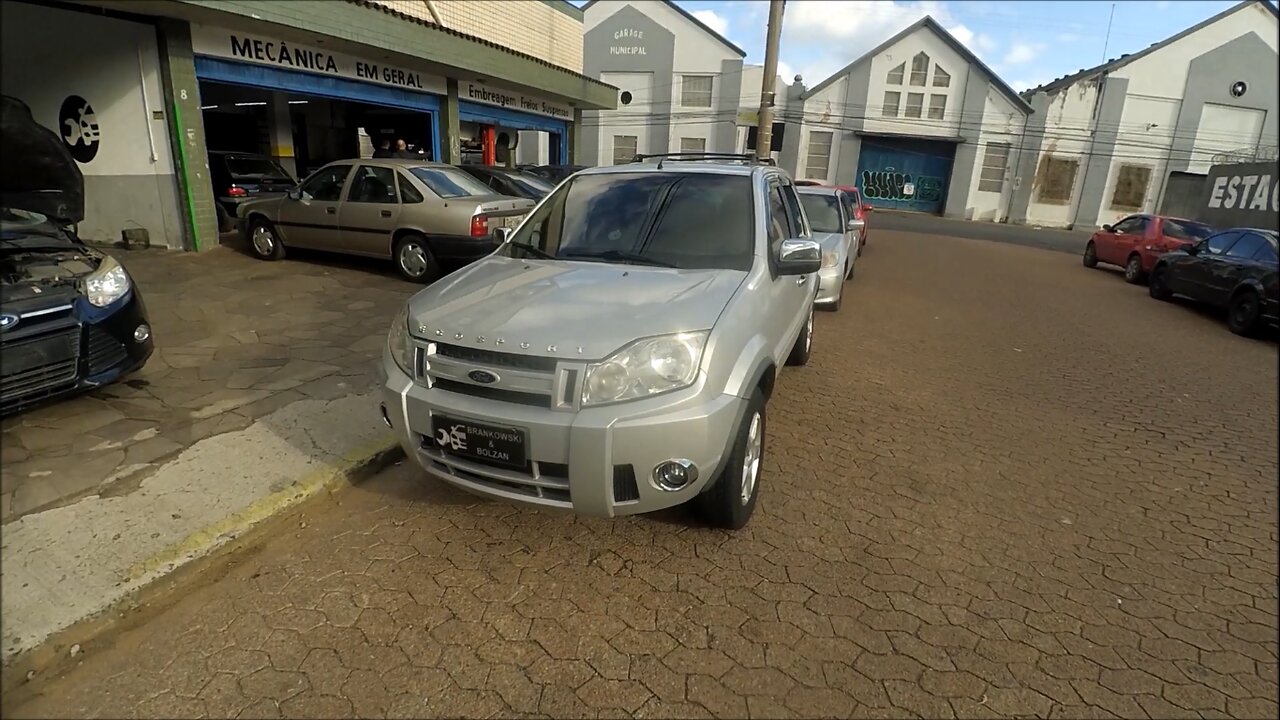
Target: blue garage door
(906, 174)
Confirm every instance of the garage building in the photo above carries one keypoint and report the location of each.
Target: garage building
(142, 91)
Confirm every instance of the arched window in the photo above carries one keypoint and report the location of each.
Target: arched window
(896, 74)
(919, 69)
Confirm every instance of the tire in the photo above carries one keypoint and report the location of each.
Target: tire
(1158, 283)
(1133, 273)
(853, 265)
(730, 502)
(1244, 313)
(264, 241)
(862, 242)
(1090, 255)
(804, 344)
(414, 260)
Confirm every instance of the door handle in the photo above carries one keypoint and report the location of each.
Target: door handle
(802, 279)
(331, 210)
(385, 213)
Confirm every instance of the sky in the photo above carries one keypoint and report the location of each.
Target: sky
(1028, 43)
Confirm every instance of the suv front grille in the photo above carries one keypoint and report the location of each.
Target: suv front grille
(624, 484)
(545, 481)
(496, 359)
(493, 393)
(34, 368)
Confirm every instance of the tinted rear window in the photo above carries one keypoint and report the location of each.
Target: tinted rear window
(823, 212)
(690, 221)
(1186, 230)
(450, 182)
(247, 166)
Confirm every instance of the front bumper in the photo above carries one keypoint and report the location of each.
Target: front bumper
(593, 461)
(830, 281)
(64, 349)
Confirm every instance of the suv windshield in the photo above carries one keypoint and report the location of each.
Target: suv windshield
(692, 221)
(823, 212)
(246, 166)
(450, 182)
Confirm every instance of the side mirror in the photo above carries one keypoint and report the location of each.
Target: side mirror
(799, 257)
(295, 193)
(854, 225)
(1108, 228)
(502, 234)
(1191, 249)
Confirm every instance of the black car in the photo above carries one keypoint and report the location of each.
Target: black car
(71, 318)
(555, 174)
(510, 182)
(238, 177)
(1233, 269)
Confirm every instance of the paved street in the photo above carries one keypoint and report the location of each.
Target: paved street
(1005, 486)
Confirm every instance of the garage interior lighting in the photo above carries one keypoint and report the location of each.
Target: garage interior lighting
(297, 102)
(249, 104)
(208, 107)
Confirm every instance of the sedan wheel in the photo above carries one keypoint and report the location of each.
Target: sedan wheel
(1133, 271)
(414, 259)
(1244, 313)
(1158, 286)
(1090, 255)
(263, 241)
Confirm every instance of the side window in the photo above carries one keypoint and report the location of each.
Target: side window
(794, 214)
(408, 193)
(1220, 243)
(1246, 246)
(1129, 225)
(326, 185)
(373, 185)
(776, 217)
(1266, 253)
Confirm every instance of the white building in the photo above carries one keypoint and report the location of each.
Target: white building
(1138, 133)
(919, 123)
(679, 81)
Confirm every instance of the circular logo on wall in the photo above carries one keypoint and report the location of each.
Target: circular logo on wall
(79, 128)
(1239, 88)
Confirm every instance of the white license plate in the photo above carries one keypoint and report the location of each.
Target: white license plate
(513, 221)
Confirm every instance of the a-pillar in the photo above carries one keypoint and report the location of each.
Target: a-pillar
(280, 129)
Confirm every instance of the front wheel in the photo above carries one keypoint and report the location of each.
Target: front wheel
(414, 260)
(263, 240)
(1133, 273)
(1090, 255)
(730, 502)
(1158, 285)
(1244, 314)
(800, 351)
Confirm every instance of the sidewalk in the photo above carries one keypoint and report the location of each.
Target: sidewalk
(261, 391)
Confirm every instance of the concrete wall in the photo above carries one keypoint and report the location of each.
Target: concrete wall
(1169, 111)
(548, 30)
(650, 46)
(114, 65)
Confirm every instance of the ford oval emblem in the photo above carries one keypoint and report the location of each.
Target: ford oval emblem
(483, 376)
(7, 321)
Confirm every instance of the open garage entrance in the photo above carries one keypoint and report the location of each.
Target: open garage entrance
(905, 173)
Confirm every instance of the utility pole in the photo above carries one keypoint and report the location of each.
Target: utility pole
(764, 131)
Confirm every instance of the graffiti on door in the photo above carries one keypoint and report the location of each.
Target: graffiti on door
(887, 184)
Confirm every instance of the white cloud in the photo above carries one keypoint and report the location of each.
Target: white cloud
(713, 20)
(1021, 85)
(786, 72)
(829, 34)
(1021, 53)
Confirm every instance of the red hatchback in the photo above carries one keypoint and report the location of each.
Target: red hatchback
(1135, 242)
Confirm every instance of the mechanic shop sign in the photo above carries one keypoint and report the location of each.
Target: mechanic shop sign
(287, 55)
(485, 94)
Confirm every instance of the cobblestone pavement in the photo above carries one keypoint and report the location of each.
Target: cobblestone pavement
(1005, 486)
(236, 338)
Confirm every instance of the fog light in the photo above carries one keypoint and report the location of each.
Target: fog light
(142, 333)
(674, 474)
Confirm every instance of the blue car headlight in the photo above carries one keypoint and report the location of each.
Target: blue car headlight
(107, 284)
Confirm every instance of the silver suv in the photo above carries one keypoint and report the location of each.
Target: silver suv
(615, 354)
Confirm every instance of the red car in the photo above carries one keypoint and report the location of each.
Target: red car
(858, 210)
(1135, 242)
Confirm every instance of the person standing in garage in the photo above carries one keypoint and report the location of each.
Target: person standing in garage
(384, 149)
(402, 151)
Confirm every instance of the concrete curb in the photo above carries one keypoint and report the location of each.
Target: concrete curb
(147, 575)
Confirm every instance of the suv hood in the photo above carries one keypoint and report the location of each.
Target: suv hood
(39, 174)
(586, 310)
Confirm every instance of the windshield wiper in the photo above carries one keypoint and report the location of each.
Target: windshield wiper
(620, 256)
(532, 249)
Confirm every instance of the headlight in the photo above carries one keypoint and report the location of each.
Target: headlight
(398, 341)
(107, 284)
(645, 367)
(828, 259)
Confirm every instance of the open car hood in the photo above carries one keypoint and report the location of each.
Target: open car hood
(39, 174)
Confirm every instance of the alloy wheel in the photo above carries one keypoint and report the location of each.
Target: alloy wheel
(413, 259)
(264, 243)
(751, 459)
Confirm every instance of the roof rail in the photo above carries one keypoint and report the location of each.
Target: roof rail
(701, 156)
